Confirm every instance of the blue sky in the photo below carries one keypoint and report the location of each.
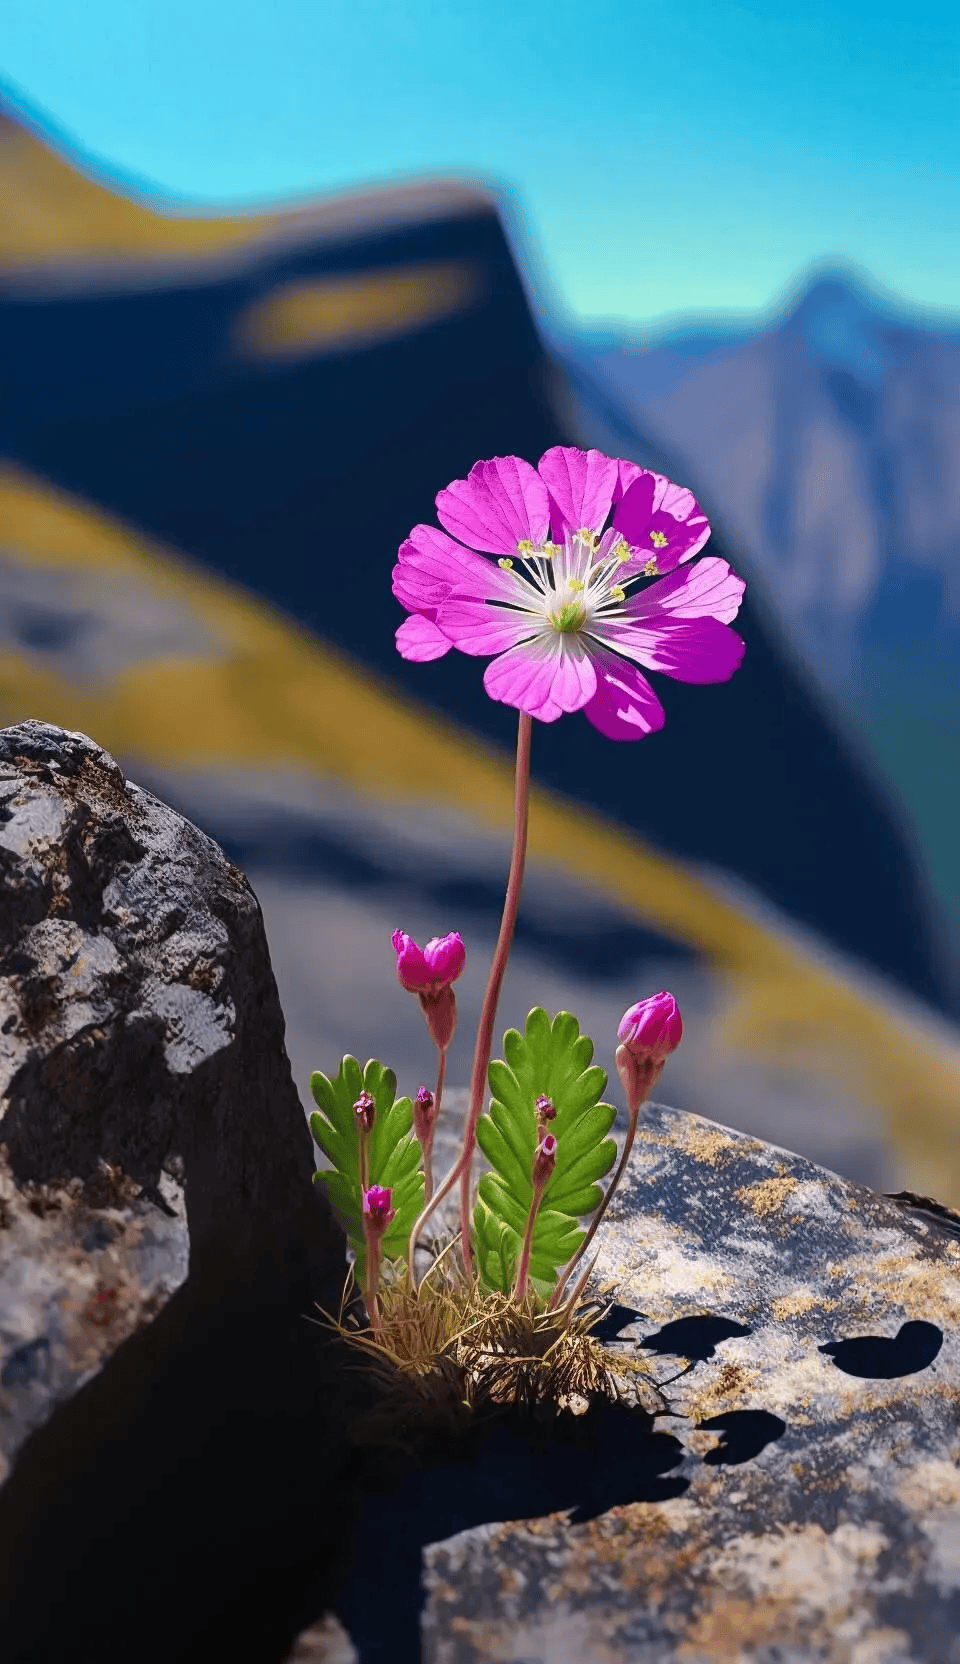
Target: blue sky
(659, 159)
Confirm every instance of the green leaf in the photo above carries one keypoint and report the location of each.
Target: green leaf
(554, 1059)
(395, 1157)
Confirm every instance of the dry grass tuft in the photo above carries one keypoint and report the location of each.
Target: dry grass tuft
(449, 1349)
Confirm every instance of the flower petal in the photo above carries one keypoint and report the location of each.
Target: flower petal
(419, 639)
(544, 677)
(581, 486)
(689, 649)
(499, 504)
(476, 627)
(711, 589)
(624, 706)
(660, 519)
(627, 472)
(429, 565)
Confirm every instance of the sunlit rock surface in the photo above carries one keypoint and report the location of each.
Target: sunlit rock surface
(798, 1497)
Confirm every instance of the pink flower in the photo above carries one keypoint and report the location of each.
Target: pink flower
(430, 969)
(429, 972)
(560, 608)
(648, 1033)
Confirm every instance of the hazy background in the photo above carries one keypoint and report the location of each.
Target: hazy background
(272, 275)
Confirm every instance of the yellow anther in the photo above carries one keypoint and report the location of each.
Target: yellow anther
(525, 546)
(618, 594)
(659, 540)
(588, 537)
(622, 551)
(575, 583)
(651, 570)
(550, 549)
(505, 563)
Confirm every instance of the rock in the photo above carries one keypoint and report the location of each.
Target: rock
(160, 1425)
(796, 1495)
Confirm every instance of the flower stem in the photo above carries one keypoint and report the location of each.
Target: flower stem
(491, 999)
(523, 1265)
(488, 1015)
(575, 1259)
(428, 1147)
(373, 1277)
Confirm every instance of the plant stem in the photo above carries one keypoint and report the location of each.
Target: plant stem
(523, 1265)
(428, 1147)
(488, 1015)
(491, 999)
(373, 1278)
(575, 1259)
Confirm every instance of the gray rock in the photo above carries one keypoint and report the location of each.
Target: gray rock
(798, 1498)
(149, 1126)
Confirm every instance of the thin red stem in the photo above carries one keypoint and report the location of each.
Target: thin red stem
(428, 1146)
(575, 1259)
(488, 1015)
(523, 1268)
(373, 1277)
(491, 999)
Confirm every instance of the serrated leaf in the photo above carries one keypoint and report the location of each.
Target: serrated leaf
(394, 1155)
(500, 1155)
(555, 1059)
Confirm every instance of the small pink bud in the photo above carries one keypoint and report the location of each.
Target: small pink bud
(364, 1111)
(546, 1109)
(648, 1033)
(431, 969)
(377, 1209)
(544, 1159)
(653, 1027)
(423, 1114)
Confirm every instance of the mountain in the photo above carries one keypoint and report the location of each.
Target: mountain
(827, 449)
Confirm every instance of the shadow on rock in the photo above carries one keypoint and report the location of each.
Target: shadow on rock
(745, 1434)
(877, 1358)
(695, 1338)
(613, 1322)
(192, 1500)
(512, 1467)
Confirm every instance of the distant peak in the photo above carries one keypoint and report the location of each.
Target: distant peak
(841, 324)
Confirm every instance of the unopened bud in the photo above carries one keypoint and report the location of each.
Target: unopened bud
(544, 1159)
(546, 1109)
(648, 1033)
(423, 1114)
(364, 1111)
(377, 1209)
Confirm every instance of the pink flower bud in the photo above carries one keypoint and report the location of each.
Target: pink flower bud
(423, 1114)
(431, 969)
(546, 1109)
(652, 1028)
(377, 1209)
(544, 1159)
(648, 1033)
(364, 1111)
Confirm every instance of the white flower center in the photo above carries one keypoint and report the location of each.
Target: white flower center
(567, 589)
